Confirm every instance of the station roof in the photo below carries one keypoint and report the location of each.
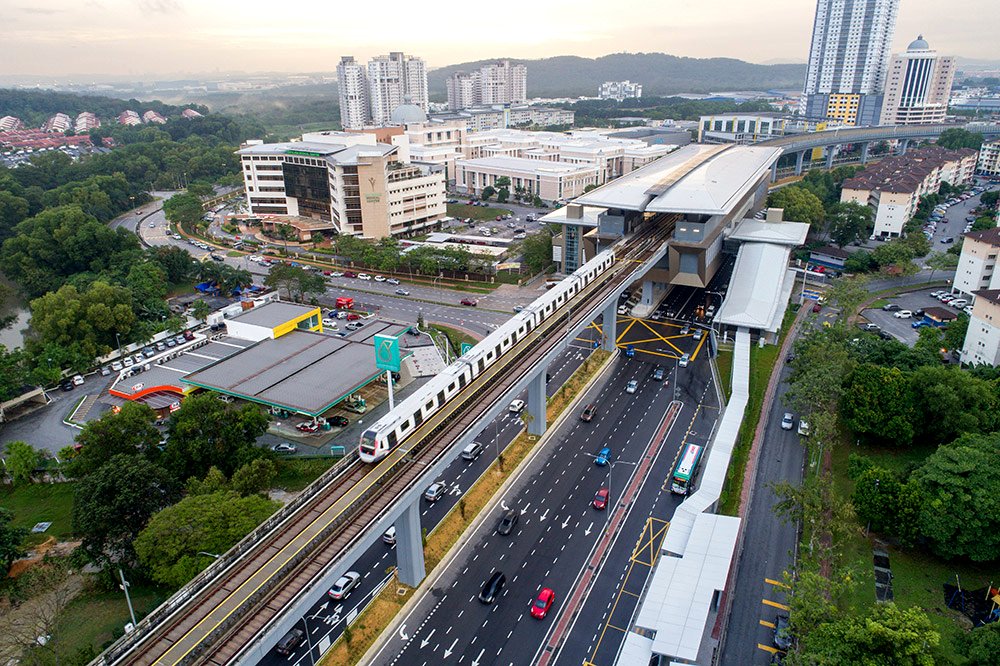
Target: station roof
(718, 184)
(760, 287)
(779, 233)
(590, 217)
(273, 314)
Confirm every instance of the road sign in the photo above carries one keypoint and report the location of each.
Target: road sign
(387, 352)
(466, 346)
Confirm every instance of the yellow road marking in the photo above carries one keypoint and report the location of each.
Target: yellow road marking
(700, 343)
(767, 648)
(611, 626)
(767, 624)
(778, 583)
(631, 594)
(775, 604)
(627, 328)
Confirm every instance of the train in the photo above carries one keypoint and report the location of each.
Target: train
(392, 429)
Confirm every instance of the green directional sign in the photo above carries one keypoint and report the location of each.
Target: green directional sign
(387, 352)
(466, 346)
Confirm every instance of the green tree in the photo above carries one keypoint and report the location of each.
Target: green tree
(183, 209)
(14, 372)
(487, 193)
(254, 477)
(989, 199)
(950, 402)
(848, 293)
(940, 261)
(112, 504)
(177, 262)
(883, 635)
(503, 194)
(981, 646)
(537, 250)
(537, 202)
(875, 499)
(296, 282)
(954, 334)
(799, 204)
(821, 364)
(878, 404)
(960, 498)
(148, 283)
(22, 460)
(169, 546)
(200, 309)
(957, 137)
(285, 233)
(11, 540)
(215, 481)
(896, 254)
(13, 209)
(206, 432)
(129, 432)
(502, 182)
(849, 222)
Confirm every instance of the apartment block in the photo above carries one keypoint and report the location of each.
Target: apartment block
(893, 187)
(989, 159)
(977, 264)
(60, 122)
(190, 113)
(982, 339)
(463, 90)
(10, 123)
(620, 90)
(918, 86)
(129, 118)
(85, 122)
(369, 94)
(352, 86)
(503, 83)
(153, 117)
(350, 181)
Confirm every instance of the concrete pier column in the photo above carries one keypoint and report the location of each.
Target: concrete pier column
(865, 147)
(774, 171)
(410, 546)
(800, 158)
(904, 145)
(831, 152)
(536, 403)
(609, 327)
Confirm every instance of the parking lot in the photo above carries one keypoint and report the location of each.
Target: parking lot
(902, 329)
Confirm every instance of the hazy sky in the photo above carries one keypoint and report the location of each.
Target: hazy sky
(167, 37)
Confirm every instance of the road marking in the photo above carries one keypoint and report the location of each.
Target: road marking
(778, 583)
(768, 602)
(767, 648)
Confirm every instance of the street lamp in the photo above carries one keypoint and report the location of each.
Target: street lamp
(305, 623)
(119, 342)
(611, 464)
(212, 555)
(128, 599)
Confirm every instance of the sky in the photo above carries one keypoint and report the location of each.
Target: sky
(139, 38)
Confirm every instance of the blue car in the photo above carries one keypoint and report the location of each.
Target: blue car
(919, 324)
(603, 456)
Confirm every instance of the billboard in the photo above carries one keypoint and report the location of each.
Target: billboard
(387, 352)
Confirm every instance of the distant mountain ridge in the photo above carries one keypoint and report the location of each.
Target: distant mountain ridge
(659, 74)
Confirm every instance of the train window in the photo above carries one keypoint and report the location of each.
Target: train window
(392, 439)
(481, 364)
(429, 405)
(418, 418)
(498, 350)
(451, 387)
(441, 398)
(461, 381)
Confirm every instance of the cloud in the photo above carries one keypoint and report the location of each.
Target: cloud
(161, 6)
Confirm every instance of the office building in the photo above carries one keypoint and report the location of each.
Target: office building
(918, 86)
(344, 183)
(982, 338)
(352, 84)
(620, 90)
(849, 60)
(989, 159)
(893, 187)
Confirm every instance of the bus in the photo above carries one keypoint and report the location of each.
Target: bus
(680, 480)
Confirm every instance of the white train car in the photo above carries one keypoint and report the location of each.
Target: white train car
(389, 431)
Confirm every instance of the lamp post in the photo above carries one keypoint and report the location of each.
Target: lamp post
(305, 623)
(128, 599)
(118, 341)
(212, 555)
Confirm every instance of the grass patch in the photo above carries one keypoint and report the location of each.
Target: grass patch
(879, 304)
(234, 253)
(475, 212)
(296, 473)
(761, 365)
(455, 337)
(40, 503)
(724, 365)
(369, 626)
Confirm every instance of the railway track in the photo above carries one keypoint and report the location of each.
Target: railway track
(222, 619)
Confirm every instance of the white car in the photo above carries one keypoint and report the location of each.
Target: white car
(342, 588)
(364, 276)
(967, 310)
(78, 380)
(632, 386)
(685, 359)
(117, 366)
(380, 278)
(803, 428)
(902, 314)
(787, 421)
(337, 274)
(330, 324)
(392, 281)
(516, 407)
(128, 362)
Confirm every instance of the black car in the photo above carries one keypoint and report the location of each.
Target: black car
(890, 307)
(507, 522)
(338, 421)
(492, 587)
(290, 641)
(658, 373)
(67, 385)
(782, 633)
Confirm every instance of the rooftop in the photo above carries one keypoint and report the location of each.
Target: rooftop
(780, 233)
(521, 164)
(273, 314)
(991, 235)
(905, 173)
(991, 295)
(760, 287)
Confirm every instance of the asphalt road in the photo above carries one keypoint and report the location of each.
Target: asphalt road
(557, 531)
(325, 620)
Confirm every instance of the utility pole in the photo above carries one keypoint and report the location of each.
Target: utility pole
(128, 599)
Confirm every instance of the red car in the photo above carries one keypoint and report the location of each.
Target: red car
(328, 273)
(308, 426)
(353, 316)
(469, 301)
(543, 603)
(817, 307)
(499, 217)
(350, 274)
(601, 499)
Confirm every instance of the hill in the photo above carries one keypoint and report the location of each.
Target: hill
(659, 74)
(34, 106)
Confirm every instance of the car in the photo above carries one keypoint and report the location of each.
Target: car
(967, 310)
(803, 428)
(471, 302)
(472, 451)
(105, 371)
(170, 342)
(329, 323)
(541, 605)
(307, 426)
(354, 325)
(290, 641)
(116, 366)
(352, 316)
(434, 492)
(67, 385)
(787, 421)
(935, 294)
(128, 362)
(782, 638)
(698, 332)
(919, 324)
(392, 281)
(389, 536)
(402, 292)
(152, 225)
(817, 308)
(886, 335)
(516, 406)
(188, 335)
(284, 447)
(685, 330)
(338, 421)
(180, 339)
(336, 274)
(342, 588)
(601, 499)
(379, 278)
(77, 380)
(659, 373)
(350, 274)
(176, 236)
(958, 303)
(588, 412)
(603, 457)
(684, 360)
(947, 298)
(508, 521)
(364, 276)
(870, 327)
(632, 386)
(492, 588)
(902, 314)
(890, 307)
(948, 240)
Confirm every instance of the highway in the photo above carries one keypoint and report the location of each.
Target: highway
(558, 529)
(325, 620)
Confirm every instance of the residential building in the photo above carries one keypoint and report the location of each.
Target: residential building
(352, 84)
(393, 80)
(360, 187)
(153, 117)
(548, 180)
(190, 113)
(463, 90)
(982, 339)
(918, 86)
(976, 266)
(893, 187)
(10, 123)
(989, 158)
(620, 90)
(85, 122)
(58, 123)
(848, 60)
(129, 117)
(503, 83)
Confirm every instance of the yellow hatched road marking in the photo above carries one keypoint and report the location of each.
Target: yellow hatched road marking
(777, 582)
(767, 624)
(775, 604)
(767, 648)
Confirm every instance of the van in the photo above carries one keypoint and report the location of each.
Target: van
(492, 588)
(472, 451)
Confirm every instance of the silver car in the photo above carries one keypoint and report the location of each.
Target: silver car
(434, 492)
